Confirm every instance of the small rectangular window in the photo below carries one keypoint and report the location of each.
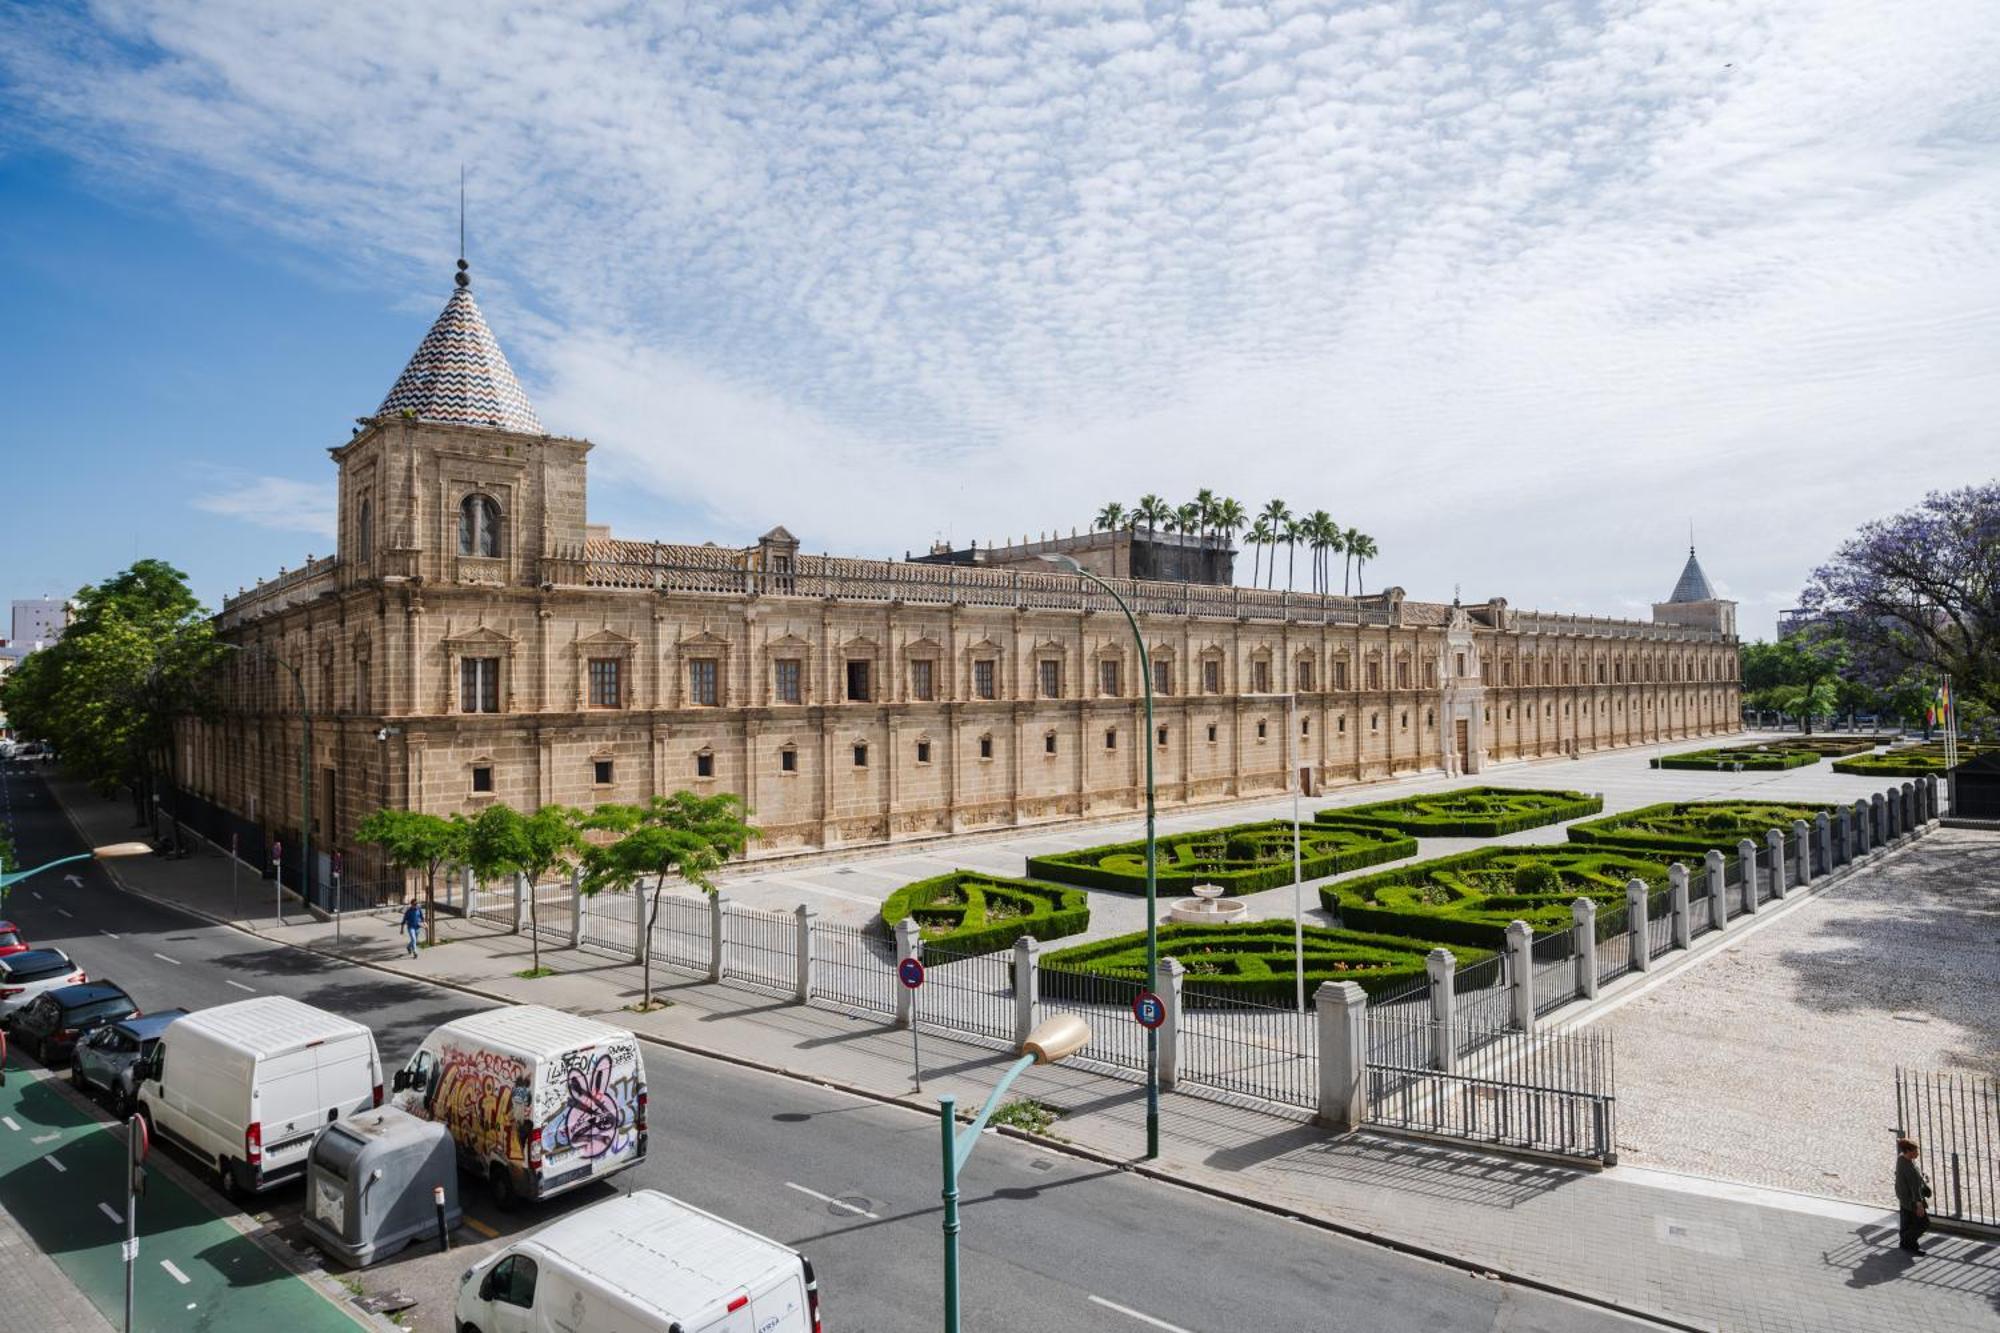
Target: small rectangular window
(1163, 677)
(1107, 679)
(1050, 673)
(1305, 726)
(861, 756)
(604, 683)
(1461, 665)
(704, 765)
(1306, 677)
(982, 679)
(788, 760)
(985, 747)
(482, 777)
(1260, 728)
(600, 772)
(1049, 743)
(1402, 675)
(1260, 677)
(787, 680)
(923, 752)
(921, 684)
(1340, 675)
(857, 680)
(1374, 675)
(1211, 677)
(1430, 675)
(1160, 738)
(1111, 739)
(1340, 724)
(479, 685)
(702, 684)
(1211, 733)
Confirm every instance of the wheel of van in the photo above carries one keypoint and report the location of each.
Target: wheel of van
(76, 1077)
(127, 1103)
(500, 1187)
(468, 1327)
(232, 1189)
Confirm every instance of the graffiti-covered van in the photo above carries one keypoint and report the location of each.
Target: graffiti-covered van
(538, 1101)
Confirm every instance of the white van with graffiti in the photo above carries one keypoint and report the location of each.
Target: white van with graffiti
(538, 1101)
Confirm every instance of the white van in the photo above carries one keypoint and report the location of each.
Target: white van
(642, 1263)
(537, 1100)
(245, 1086)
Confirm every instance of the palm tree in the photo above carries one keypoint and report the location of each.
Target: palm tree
(1204, 500)
(1189, 519)
(1321, 533)
(1229, 518)
(1364, 549)
(1349, 540)
(1276, 515)
(1259, 537)
(1111, 517)
(1152, 511)
(1294, 529)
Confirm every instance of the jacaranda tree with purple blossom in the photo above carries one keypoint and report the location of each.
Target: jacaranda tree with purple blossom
(1921, 590)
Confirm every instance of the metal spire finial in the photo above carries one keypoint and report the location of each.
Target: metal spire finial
(461, 279)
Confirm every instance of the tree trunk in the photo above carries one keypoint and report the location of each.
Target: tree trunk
(534, 927)
(646, 954)
(430, 905)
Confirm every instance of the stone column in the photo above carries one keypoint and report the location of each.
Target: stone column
(1913, 820)
(1718, 892)
(1677, 895)
(1636, 910)
(1931, 785)
(1802, 849)
(1774, 842)
(1746, 857)
(803, 991)
(576, 907)
(1878, 821)
(1863, 825)
(1521, 956)
(1442, 966)
(718, 937)
(1027, 985)
(1823, 839)
(1171, 973)
(1342, 1008)
(1584, 943)
(909, 944)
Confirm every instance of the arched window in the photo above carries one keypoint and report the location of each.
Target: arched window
(479, 526)
(365, 531)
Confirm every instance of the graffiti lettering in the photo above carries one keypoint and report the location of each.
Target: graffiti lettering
(600, 1102)
(477, 1093)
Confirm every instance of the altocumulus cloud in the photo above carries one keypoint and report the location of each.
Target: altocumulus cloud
(279, 503)
(1518, 289)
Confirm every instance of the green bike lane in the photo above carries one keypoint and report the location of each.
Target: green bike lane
(62, 1179)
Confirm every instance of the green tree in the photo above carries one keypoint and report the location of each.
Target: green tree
(415, 842)
(1363, 549)
(682, 835)
(1259, 537)
(1349, 539)
(502, 840)
(1110, 518)
(1229, 518)
(1275, 515)
(1321, 533)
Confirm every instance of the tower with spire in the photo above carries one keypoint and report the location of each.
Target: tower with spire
(1693, 601)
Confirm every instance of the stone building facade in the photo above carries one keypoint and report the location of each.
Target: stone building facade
(473, 639)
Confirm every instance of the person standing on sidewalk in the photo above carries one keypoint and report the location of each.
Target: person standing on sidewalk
(413, 923)
(1913, 1194)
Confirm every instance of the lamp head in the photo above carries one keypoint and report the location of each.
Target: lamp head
(121, 849)
(1063, 562)
(1057, 1038)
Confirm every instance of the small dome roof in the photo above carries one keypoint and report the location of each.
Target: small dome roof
(459, 375)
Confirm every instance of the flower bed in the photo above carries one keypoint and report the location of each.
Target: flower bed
(1469, 898)
(1693, 827)
(1761, 759)
(1474, 812)
(1255, 960)
(1242, 858)
(973, 913)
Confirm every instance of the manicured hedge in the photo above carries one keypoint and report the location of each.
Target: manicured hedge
(1825, 746)
(1242, 858)
(1470, 898)
(1474, 812)
(973, 913)
(1694, 826)
(1253, 960)
(1913, 762)
(1758, 760)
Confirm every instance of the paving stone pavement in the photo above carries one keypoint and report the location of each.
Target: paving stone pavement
(1702, 1254)
(35, 1293)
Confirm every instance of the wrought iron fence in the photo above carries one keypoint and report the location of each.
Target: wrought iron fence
(854, 967)
(763, 948)
(968, 994)
(1553, 962)
(1660, 923)
(609, 924)
(1247, 1046)
(1614, 944)
(1484, 1001)
(1116, 1039)
(683, 933)
(1770, 864)
(1955, 1119)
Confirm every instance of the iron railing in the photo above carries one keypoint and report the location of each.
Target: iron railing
(1553, 960)
(683, 933)
(1116, 1039)
(763, 948)
(1484, 999)
(967, 994)
(1955, 1118)
(1660, 923)
(1614, 944)
(1248, 1046)
(854, 967)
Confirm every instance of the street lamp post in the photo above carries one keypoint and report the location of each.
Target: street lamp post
(305, 775)
(1152, 870)
(1056, 1039)
(9, 879)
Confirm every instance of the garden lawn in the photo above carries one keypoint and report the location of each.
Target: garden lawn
(1474, 812)
(1253, 960)
(1243, 858)
(1915, 761)
(1756, 760)
(1470, 898)
(1693, 827)
(974, 913)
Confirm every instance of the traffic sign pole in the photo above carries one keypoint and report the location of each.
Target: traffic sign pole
(135, 1155)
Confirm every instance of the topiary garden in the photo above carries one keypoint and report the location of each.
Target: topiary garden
(1757, 760)
(1693, 827)
(1915, 761)
(1242, 858)
(1469, 898)
(1255, 960)
(1472, 812)
(974, 913)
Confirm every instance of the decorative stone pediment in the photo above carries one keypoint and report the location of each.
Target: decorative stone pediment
(705, 639)
(481, 637)
(983, 648)
(1049, 647)
(606, 639)
(860, 643)
(789, 643)
(923, 647)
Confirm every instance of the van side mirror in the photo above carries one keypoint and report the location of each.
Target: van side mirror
(400, 1081)
(486, 1285)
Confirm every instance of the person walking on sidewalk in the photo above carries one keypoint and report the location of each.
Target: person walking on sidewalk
(413, 923)
(1913, 1194)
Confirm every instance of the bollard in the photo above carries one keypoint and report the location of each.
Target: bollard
(444, 1232)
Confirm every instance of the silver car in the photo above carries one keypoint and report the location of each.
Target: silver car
(105, 1061)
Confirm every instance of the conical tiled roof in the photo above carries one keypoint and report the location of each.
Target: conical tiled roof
(1693, 586)
(460, 376)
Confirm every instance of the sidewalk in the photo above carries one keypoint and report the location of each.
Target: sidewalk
(1696, 1253)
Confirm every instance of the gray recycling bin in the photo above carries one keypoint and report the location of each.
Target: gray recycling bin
(369, 1182)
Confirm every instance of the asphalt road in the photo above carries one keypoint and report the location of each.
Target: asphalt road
(1049, 1242)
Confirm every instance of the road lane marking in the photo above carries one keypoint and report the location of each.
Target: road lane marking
(1130, 1313)
(102, 931)
(182, 1278)
(8, 1121)
(163, 958)
(64, 911)
(239, 985)
(828, 1199)
(479, 1226)
(38, 897)
(51, 1160)
(45, 1138)
(111, 1213)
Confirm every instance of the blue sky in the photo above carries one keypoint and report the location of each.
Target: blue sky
(1519, 290)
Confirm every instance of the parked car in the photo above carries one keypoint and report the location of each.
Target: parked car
(537, 1101)
(25, 975)
(53, 1022)
(107, 1060)
(641, 1262)
(243, 1087)
(11, 939)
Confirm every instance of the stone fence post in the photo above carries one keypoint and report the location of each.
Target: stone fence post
(1774, 842)
(1442, 966)
(1718, 891)
(1677, 897)
(1823, 839)
(1171, 973)
(1027, 985)
(909, 944)
(1878, 821)
(1521, 954)
(1912, 817)
(1931, 810)
(1640, 930)
(1802, 849)
(1342, 1008)
(718, 937)
(1746, 856)
(803, 992)
(1892, 805)
(1584, 945)
(576, 907)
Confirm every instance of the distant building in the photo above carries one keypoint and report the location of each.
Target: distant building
(1129, 553)
(38, 622)
(1693, 603)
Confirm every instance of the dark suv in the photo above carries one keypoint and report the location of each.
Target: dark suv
(54, 1021)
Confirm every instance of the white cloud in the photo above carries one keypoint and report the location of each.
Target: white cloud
(1517, 290)
(279, 503)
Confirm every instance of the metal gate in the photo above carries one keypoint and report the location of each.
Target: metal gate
(1955, 1118)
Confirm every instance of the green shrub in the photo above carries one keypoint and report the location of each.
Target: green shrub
(1758, 760)
(1253, 960)
(1692, 827)
(968, 912)
(1470, 898)
(1243, 858)
(1472, 812)
(1914, 761)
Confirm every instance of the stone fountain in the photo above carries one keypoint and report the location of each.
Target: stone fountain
(1208, 907)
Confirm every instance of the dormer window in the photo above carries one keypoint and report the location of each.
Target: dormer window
(479, 526)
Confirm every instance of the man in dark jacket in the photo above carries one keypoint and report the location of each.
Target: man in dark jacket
(1913, 1194)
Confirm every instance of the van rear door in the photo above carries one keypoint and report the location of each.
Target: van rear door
(286, 1107)
(345, 1068)
(780, 1307)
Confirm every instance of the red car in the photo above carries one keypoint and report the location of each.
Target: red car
(10, 939)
